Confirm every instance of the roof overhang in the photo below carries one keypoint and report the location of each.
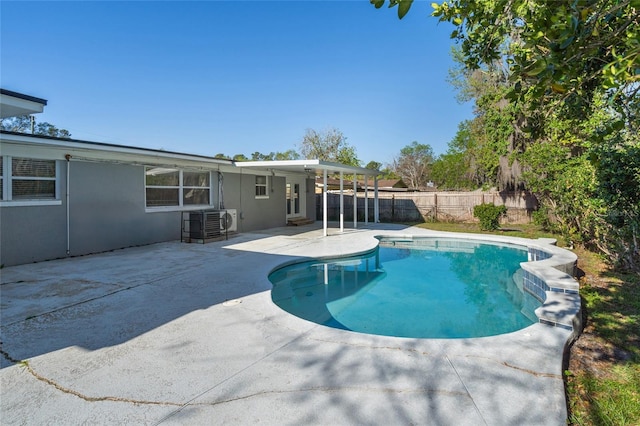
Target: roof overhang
(317, 167)
(14, 104)
(58, 148)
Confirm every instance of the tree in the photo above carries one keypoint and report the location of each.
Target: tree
(555, 55)
(27, 124)
(414, 164)
(328, 145)
(20, 124)
(388, 173)
(571, 90)
(560, 54)
(258, 156)
(450, 171)
(373, 165)
(240, 157)
(49, 129)
(275, 156)
(290, 154)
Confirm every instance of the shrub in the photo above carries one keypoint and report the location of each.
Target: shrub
(541, 217)
(489, 215)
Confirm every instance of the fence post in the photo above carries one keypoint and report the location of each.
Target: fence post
(393, 208)
(435, 201)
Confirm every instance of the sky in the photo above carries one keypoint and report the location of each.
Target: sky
(234, 77)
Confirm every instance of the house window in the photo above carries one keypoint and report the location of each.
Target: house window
(261, 187)
(28, 180)
(196, 188)
(168, 187)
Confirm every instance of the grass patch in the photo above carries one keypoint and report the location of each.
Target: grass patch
(522, 231)
(614, 400)
(603, 380)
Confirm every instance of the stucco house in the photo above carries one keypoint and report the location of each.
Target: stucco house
(67, 197)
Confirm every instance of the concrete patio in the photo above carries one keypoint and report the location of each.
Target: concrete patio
(176, 333)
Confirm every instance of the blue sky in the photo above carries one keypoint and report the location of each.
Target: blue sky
(234, 77)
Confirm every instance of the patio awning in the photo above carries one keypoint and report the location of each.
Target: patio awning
(307, 166)
(14, 104)
(323, 168)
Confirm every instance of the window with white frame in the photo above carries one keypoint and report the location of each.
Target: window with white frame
(169, 187)
(262, 190)
(28, 179)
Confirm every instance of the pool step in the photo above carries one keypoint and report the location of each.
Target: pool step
(299, 221)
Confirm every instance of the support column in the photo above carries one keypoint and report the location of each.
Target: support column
(355, 202)
(366, 199)
(341, 202)
(376, 204)
(324, 203)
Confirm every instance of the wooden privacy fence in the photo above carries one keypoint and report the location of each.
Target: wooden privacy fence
(429, 206)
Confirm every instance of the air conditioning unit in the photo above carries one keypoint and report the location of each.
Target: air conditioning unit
(204, 224)
(229, 220)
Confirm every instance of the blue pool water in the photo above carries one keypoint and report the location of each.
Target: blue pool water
(421, 288)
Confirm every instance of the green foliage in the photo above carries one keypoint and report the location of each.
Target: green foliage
(489, 215)
(240, 157)
(614, 401)
(488, 140)
(275, 156)
(618, 176)
(373, 165)
(450, 172)
(542, 218)
(556, 56)
(347, 155)
(403, 5)
(458, 168)
(388, 173)
(557, 108)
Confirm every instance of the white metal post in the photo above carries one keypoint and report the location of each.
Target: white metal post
(355, 202)
(324, 203)
(376, 206)
(366, 199)
(341, 202)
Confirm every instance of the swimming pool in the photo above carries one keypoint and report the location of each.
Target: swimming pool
(421, 288)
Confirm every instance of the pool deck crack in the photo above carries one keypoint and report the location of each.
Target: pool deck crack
(466, 390)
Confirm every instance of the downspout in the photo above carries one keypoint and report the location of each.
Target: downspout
(68, 158)
(220, 191)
